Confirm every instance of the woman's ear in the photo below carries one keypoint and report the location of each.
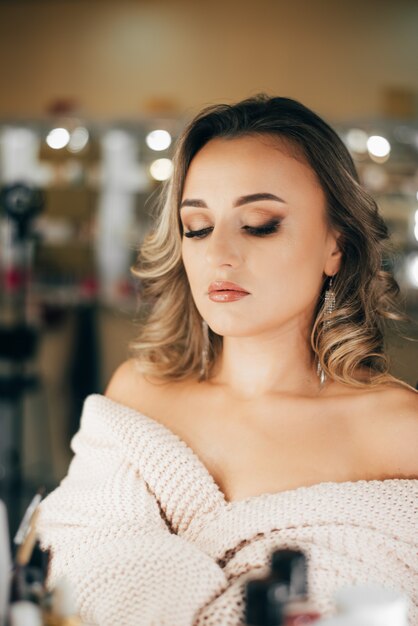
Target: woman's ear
(334, 255)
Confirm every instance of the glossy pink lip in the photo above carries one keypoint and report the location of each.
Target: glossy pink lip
(221, 285)
(225, 291)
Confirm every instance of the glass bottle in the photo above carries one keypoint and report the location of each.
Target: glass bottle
(289, 568)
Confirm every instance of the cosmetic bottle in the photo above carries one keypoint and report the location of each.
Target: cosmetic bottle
(282, 596)
(25, 613)
(373, 605)
(24, 609)
(261, 605)
(290, 570)
(62, 610)
(341, 620)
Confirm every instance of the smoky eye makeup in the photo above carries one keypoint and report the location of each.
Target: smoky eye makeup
(199, 234)
(268, 228)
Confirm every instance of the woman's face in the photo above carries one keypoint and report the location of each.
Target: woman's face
(275, 249)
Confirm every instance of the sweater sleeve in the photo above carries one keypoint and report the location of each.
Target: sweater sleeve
(109, 539)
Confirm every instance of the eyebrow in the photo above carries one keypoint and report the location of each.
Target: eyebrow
(253, 197)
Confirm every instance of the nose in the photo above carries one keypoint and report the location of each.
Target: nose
(223, 249)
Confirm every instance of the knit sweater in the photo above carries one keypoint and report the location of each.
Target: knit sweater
(145, 536)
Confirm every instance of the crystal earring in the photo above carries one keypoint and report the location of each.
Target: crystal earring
(329, 307)
(329, 303)
(205, 350)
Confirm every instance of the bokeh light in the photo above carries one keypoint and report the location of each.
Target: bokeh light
(58, 138)
(378, 146)
(161, 169)
(357, 140)
(416, 225)
(158, 140)
(412, 269)
(79, 139)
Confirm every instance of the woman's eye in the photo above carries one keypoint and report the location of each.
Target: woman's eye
(198, 233)
(258, 231)
(265, 229)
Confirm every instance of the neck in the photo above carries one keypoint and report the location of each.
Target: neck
(274, 363)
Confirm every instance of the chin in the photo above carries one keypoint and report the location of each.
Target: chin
(231, 328)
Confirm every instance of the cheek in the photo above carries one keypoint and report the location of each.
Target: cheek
(185, 256)
(292, 270)
(190, 262)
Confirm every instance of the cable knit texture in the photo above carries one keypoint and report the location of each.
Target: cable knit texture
(146, 538)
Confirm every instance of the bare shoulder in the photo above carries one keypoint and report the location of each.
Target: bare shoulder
(391, 430)
(129, 386)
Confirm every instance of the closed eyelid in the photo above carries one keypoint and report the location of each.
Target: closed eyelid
(245, 223)
(262, 230)
(246, 213)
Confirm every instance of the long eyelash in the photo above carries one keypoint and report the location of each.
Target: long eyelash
(258, 231)
(266, 229)
(197, 233)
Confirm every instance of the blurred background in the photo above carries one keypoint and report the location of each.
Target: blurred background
(93, 95)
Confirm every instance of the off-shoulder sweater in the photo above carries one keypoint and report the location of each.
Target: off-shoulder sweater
(145, 536)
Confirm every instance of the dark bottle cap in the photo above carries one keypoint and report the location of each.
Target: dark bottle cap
(263, 607)
(290, 567)
(28, 581)
(256, 602)
(40, 560)
(18, 590)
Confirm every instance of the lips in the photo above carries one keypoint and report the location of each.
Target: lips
(222, 286)
(225, 291)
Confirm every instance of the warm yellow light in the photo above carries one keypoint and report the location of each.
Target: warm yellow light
(161, 169)
(58, 138)
(158, 140)
(357, 140)
(378, 146)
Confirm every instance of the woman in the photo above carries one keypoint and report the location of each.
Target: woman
(257, 411)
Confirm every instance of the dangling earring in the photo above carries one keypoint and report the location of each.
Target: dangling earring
(329, 307)
(329, 303)
(205, 350)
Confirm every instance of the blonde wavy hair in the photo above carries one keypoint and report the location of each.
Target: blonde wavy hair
(170, 341)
